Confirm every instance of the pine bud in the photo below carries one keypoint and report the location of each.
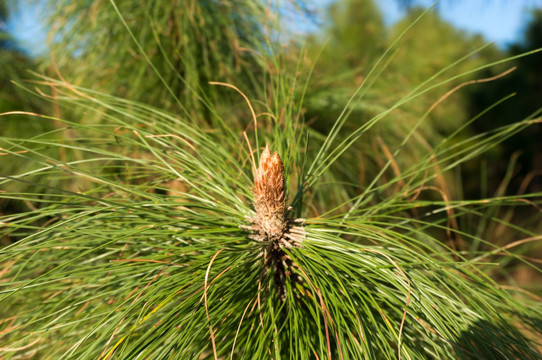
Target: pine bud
(270, 195)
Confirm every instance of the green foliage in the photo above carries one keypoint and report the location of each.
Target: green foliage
(133, 267)
(448, 45)
(343, 52)
(525, 84)
(162, 53)
(15, 68)
(438, 76)
(138, 243)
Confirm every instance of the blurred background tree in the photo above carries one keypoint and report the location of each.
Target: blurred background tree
(15, 65)
(526, 83)
(344, 53)
(172, 50)
(15, 68)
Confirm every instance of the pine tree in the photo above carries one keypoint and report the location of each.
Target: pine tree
(189, 243)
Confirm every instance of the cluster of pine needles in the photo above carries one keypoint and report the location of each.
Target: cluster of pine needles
(148, 235)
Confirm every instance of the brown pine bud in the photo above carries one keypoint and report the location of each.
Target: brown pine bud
(271, 224)
(270, 195)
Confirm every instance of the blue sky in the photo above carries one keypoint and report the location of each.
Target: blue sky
(501, 21)
(26, 25)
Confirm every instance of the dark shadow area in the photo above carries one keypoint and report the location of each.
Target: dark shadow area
(500, 341)
(526, 85)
